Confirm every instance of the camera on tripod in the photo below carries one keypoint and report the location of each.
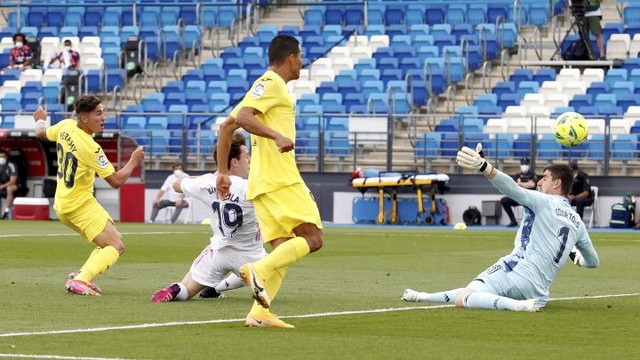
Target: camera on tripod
(578, 8)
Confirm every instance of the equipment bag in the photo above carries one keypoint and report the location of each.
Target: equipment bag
(621, 216)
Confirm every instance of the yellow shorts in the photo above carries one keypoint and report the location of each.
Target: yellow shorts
(282, 210)
(89, 220)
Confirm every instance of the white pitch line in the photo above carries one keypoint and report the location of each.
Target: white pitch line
(220, 321)
(29, 356)
(124, 233)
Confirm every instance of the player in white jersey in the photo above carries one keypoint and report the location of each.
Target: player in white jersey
(236, 238)
(550, 233)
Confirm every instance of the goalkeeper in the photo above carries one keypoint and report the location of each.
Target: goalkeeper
(551, 232)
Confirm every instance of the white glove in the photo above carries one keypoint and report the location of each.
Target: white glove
(575, 256)
(473, 160)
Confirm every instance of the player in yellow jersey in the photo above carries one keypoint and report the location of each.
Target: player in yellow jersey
(79, 159)
(287, 213)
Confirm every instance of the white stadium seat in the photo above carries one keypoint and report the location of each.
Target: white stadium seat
(618, 46)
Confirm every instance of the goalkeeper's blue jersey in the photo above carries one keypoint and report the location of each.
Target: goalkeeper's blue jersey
(549, 230)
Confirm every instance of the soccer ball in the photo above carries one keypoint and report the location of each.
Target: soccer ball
(570, 129)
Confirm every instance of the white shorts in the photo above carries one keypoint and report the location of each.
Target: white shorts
(496, 280)
(211, 266)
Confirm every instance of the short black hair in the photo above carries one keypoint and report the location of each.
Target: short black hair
(564, 173)
(15, 36)
(234, 152)
(238, 137)
(281, 47)
(86, 104)
(4, 151)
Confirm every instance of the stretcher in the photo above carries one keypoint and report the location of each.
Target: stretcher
(391, 182)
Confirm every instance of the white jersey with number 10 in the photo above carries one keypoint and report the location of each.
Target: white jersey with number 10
(233, 221)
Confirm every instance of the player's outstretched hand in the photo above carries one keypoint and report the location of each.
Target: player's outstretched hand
(472, 160)
(284, 144)
(223, 183)
(40, 114)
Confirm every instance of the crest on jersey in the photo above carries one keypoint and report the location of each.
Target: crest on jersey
(258, 90)
(103, 161)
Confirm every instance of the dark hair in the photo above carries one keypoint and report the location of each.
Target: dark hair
(281, 47)
(4, 151)
(238, 137)
(234, 152)
(15, 36)
(564, 173)
(174, 166)
(67, 40)
(86, 104)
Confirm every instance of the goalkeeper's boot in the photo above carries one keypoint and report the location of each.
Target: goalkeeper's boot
(531, 305)
(167, 294)
(209, 292)
(265, 319)
(410, 296)
(93, 285)
(80, 287)
(252, 279)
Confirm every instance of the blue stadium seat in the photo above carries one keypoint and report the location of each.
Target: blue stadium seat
(314, 16)
(428, 145)
(435, 14)
(521, 75)
(394, 15)
(504, 87)
(497, 11)
(544, 74)
(377, 103)
(476, 14)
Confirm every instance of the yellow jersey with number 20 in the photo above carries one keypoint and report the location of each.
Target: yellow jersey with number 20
(79, 159)
(270, 169)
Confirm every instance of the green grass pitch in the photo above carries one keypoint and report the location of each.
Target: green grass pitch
(344, 300)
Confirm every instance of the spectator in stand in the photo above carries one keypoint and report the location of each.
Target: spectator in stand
(68, 58)
(167, 196)
(580, 195)
(593, 17)
(20, 55)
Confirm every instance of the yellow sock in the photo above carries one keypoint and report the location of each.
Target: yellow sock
(284, 255)
(97, 263)
(272, 285)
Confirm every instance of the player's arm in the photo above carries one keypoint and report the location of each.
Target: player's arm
(225, 137)
(40, 116)
(584, 254)
(247, 120)
(116, 179)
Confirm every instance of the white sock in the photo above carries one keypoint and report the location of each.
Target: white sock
(448, 296)
(231, 282)
(489, 301)
(183, 294)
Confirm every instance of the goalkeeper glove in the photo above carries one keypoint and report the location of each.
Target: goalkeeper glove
(575, 256)
(474, 160)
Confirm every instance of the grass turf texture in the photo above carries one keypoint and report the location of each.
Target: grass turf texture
(359, 269)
